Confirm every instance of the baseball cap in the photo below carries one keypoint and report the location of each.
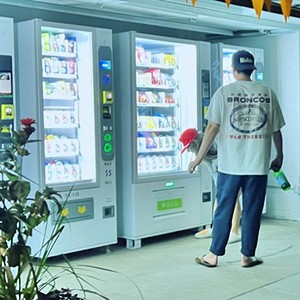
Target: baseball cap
(187, 137)
(243, 60)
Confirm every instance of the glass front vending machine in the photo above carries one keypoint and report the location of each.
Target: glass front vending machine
(160, 85)
(66, 85)
(221, 57)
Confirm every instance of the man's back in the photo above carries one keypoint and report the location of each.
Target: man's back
(248, 113)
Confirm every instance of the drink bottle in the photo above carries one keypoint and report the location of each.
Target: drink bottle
(282, 180)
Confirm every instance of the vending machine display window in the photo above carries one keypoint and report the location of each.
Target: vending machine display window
(68, 113)
(163, 98)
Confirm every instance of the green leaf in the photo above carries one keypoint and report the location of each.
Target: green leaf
(11, 176)
(9, 165)
(8, 223)
(50, 193)
(20, 138)
(4, 190)
(6, 155)
(44, 210)
(22, 151)
(33, 221)
(19, 190)
(17, 253)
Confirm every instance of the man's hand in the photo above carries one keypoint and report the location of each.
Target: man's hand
(276, 163)
(192, 166)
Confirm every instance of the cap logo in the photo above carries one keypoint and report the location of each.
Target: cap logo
(246, 60)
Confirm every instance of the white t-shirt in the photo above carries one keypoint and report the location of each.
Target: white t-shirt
(248, 113)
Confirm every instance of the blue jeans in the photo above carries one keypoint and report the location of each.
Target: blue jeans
(253, 191)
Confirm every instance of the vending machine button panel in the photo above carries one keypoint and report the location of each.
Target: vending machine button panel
(106, 102)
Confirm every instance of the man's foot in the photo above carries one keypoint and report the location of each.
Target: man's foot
(209, 260)
(250, 261)
(204, 234)
(233, 238)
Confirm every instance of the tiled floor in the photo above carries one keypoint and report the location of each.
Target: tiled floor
(164, 268)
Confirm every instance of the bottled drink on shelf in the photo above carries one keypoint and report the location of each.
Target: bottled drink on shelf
(282, 180)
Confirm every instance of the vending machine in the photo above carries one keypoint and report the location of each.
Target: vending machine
(7, 80)
(160, 85)
(65, 83)
(221, 55)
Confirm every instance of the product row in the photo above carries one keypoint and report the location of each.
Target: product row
(60, 89)
(59, 43)
(57, 147)
(149, 97)
(60, 119)
(144, 57)
(57, 171)
(157, 163)
(154, 77)
(54, 66)
(158, 122)
(156, 143)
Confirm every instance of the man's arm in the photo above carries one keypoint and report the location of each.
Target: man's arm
(277, 162)
(210, 133)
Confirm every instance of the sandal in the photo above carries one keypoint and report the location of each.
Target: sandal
(204, 234)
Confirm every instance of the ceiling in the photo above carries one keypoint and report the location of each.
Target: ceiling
(208, 16)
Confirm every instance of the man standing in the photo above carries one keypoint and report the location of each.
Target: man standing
(246, 116)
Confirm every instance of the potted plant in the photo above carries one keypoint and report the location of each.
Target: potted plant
(22, 210)
(20, 213)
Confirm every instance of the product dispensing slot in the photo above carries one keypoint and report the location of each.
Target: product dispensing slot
(169, 202)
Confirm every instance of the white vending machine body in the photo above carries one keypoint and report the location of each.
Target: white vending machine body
(159, 92)
(66, 85)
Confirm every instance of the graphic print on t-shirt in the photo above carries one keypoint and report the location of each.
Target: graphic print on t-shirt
(248, 116)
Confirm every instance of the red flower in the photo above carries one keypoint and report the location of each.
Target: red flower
(27, 122)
